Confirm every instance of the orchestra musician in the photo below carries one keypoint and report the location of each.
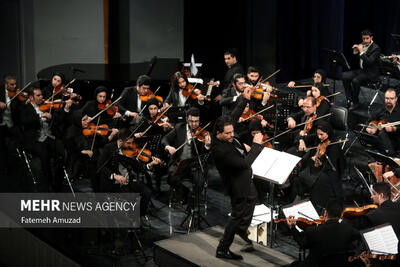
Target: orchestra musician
(38, 138)
(390, 135)
(368, 55)
(57, 79)
(131, 103)
(320, 170)
(326, 241)
(118, 169)
(319, 77)
(231, 61)
(179, 143)
(308, 132)
(233, 161)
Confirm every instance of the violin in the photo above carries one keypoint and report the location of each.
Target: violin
(107, 105)
(258, 93)
(149, 95)
(99, 130)
(303, 223)
(21, 96)
(321, 149)
(200, 134)
(308, 125)
(189, 91)
(249, 115)
(160, 120)
(351, 213)
(45, 107)
(142, 154)
(265, 142)
(373, 256)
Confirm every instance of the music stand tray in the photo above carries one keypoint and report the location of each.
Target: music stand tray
(383, 158)
(337, 58)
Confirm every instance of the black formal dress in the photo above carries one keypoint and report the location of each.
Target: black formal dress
(325, 241)
(353, 79)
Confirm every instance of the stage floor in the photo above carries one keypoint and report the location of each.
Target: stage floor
(198, 249)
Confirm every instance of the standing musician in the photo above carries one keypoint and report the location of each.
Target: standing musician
(320, 170)
(93, 107)
(182, 93)
(38, 136)
(184, 161)
(234, 67)
(326, 241)
(119, 169)
(233, 161)
(132, 101)
(390, 135)
(308, 113)
(368, 54)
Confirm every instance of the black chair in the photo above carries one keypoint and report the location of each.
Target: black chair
(338, 120)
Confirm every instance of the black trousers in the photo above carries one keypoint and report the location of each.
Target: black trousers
(136, 187)
(352, 81)
(242, 213)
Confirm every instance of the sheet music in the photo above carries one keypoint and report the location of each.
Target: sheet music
(381, 240)
(274, 165)
(195, 80)
(262, 214)
(305, 207)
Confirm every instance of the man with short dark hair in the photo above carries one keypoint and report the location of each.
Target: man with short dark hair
(230, 94)
(233, 161)
(368, 55)
(330, 238)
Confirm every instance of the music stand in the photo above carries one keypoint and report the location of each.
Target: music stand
(336, 59)
(386, 160)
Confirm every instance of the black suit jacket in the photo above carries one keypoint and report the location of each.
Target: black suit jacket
(328, 238)
(129, 100)
(226, 101)
(371, 61)
(177, 137)
(236, 68)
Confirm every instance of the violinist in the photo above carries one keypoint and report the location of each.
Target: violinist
(253, 77)
(387, 211)
(368, 55)
(329, 238)
(119, 172)
(230, 94)
(8, 121)
(319, 77)
(319, 92)
(93, 107)
(39, 139)
(389, 136)
(246, 118)
(55, 90)
(184, 137)
(131, 103)
(182, 93)
(308, 132)
(162, 125)
(319, 175)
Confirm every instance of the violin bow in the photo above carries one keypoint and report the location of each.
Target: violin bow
(258, 113)
(288, 130)
(309, 85)
(56, 93)
(101, 111)
(20, 91)
(137, 157)
(266, 79)
(140, 113)
(333, 143)
(184, 143)
(95, 133)
(337, 93)
(158, 117)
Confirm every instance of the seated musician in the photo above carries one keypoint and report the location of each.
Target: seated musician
(326, 241)
(38, 136)
(319, 77)
(308, 132)
(231, 94)
(320, 170)
(131, 103)
(180, 144)
(253, 78)
(94, 107)
(248, 116)
(319, 92)
(387, 212)
(162, 125)
(54, 90)
(390, 135)
(118, 169)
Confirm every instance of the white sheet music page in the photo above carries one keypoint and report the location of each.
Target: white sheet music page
(305, 207)
(274, 165)
(382, 240)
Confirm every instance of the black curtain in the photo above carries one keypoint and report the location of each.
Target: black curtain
(304, 29)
